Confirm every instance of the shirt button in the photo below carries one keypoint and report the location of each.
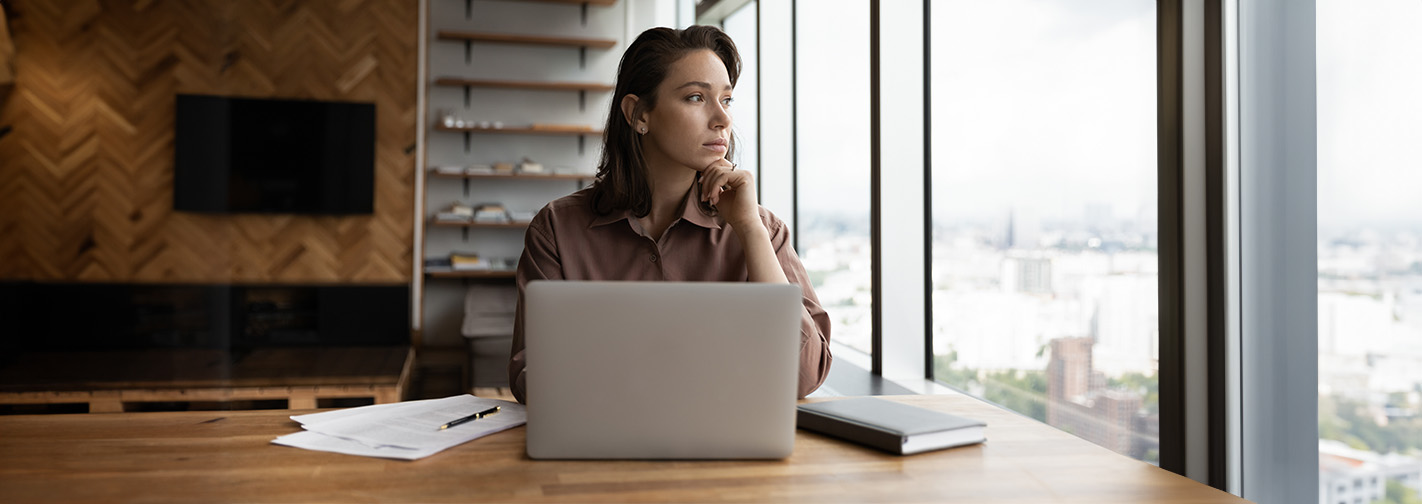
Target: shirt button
(653, 257)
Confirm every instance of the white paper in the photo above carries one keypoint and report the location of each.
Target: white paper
(321, 442)
(407, 430)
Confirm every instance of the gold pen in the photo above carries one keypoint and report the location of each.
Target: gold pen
(475, 416)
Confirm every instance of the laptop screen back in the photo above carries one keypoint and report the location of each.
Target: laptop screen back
(657, 370)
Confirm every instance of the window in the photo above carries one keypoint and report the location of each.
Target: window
(1369, 226)
(833, 166)
(741, 26)
(1044, 212)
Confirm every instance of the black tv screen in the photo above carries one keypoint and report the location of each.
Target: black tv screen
(248, 155)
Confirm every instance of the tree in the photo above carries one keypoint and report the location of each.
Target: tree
(1397, 493)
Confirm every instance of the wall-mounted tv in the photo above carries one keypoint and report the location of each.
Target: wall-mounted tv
(249, 155)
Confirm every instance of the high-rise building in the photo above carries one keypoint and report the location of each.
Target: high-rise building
(1079, 402)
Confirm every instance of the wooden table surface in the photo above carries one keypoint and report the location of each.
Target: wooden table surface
(227, 456)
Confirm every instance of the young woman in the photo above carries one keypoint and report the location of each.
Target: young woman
(668, 204)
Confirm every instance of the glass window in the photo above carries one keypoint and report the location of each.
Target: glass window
(1044, 212)
(832, 150)
(1369, 228)
(741, 26)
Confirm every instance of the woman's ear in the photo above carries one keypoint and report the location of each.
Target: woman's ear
(629, 107)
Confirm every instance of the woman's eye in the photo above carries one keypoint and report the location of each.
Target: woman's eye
(695, 98)
(726, 102)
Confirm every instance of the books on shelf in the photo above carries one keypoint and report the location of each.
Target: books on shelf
(525, 167)
(490, 213)
(574, 170)
(466, 261)
(521, 216)
(471, 261)
(455, 213)
(889, 426)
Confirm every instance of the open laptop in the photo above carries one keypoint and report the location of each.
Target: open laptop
(661, 370)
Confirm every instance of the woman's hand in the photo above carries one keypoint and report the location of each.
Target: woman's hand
(732, 192)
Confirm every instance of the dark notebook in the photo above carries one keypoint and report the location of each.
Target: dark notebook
(889, 426)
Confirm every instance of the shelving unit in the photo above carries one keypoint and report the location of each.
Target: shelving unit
(487, 225)
(545, 72)
(600, 3)
(528, 85)
(511, 38)
(570, 130)
(514, 176)
(487, 274)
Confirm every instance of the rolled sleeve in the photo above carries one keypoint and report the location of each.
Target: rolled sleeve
(539, 261)
(815, 357)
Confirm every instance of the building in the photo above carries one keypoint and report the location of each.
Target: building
(1079, 402)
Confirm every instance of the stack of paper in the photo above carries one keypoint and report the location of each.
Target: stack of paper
(406, 430)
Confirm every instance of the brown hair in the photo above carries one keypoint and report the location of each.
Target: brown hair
(622, 172)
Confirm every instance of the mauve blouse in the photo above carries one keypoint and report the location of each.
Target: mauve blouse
(567, 240)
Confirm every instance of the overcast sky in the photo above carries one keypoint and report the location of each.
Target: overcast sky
(1047, 106)
(1369, 113)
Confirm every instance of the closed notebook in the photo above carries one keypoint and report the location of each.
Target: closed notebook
(889, 426)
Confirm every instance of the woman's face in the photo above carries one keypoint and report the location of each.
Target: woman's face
(691, 123)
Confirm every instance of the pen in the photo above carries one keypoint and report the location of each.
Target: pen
(475, 416)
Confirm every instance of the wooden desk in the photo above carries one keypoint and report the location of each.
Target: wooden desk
(226, 456)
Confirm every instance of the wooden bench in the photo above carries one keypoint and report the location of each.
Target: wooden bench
(111, 381)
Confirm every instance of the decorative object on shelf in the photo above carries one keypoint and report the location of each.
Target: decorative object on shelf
(504, 168)
(528, 166)
(450, 170)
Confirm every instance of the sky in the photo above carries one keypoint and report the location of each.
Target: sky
(1048, 106)
(1369, 113)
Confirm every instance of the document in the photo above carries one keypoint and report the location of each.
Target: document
(408, 430)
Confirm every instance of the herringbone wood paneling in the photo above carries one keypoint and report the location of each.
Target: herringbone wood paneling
(86, 173)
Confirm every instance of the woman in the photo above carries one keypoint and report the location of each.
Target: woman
(668, 203)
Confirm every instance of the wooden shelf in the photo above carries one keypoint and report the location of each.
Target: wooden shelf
(509, 38)
(521, 131)
(520, 176)
(533, 85)
(505, 225)
(599, 3)
(470, 274)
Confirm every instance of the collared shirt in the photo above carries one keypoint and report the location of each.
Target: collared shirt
(567, 240)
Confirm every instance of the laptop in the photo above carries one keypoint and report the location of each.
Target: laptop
(661, 370)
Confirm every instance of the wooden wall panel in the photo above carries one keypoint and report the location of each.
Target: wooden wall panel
(86, 173)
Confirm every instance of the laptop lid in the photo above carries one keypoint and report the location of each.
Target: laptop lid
(661, 370)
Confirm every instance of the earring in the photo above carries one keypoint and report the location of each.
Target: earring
(644, 130)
